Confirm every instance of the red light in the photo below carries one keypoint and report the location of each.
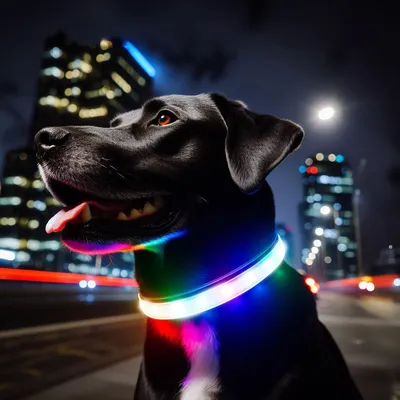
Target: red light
(310, 281)
(312, 170)
(314, 289)
(9, 274)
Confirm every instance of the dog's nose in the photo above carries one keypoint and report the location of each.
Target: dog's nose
(50, 138)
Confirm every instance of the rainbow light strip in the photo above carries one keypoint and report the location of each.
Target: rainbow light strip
(219, 293)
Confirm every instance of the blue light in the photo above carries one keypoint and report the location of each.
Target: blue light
(140, 59)
(302, 169)
(339, 158)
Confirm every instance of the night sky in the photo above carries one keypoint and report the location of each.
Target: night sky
(277, 56)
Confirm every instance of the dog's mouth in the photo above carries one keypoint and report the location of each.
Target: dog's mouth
(87, 216)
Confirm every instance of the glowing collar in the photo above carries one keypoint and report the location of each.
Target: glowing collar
(219, 293)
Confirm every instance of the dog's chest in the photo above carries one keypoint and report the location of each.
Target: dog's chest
(201, 347)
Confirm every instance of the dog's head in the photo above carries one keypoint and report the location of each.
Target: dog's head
(146, 177)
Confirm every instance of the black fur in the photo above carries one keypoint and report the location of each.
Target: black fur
(213, 161)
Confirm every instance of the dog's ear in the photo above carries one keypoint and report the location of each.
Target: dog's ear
(255, 143)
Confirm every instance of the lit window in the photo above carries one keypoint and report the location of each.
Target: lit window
(339, 158)
(8, 221)
(86, 67)
(93, 112)
(115, 272)
(55, 52)
(51, 201)
(10, 201)
(38, 184)
(87, 57)
(131, 71)
(33, 245)
(341, 247)
(72, 108)
(33, 224)
(74, 74)
(121, 82)
(22, 256)
(54, 71)
(16, 180)
(50, 257)
(23, 222)
(323, 179)
(105, 44)
(317, 206)
(7, 255)
(331, 157)
(317, 197)
(338, 189)
(38, 204)
(110, 94)
(64, 102)
(337, 206)
(10, 243)
(50, 245)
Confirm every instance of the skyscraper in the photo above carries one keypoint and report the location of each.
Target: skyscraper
(327, 217)
(78, 85)
(81, 84)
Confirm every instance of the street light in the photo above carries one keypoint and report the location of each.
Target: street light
(326, 113)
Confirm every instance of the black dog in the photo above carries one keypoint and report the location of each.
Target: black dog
(186, 176)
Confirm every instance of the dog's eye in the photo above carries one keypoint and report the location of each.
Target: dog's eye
(165, 118)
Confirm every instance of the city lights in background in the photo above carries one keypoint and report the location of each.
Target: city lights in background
(77, 84)
(325, 210)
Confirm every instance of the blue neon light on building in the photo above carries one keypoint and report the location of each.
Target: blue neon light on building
(140, 58)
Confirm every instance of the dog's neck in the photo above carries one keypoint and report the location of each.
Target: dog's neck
(243, 326)
(234, 232)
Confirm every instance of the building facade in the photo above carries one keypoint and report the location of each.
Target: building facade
(78, 85)
(327, 216)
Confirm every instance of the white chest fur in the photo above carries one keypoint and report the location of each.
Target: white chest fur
(201, 347)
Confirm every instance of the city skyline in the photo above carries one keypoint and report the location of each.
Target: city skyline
(278, 67)
(78, 84)
(328, 218)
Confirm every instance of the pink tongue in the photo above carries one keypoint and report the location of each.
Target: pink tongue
(58, 222)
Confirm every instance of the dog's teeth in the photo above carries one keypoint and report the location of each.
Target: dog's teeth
(122, 216)
(86, 215)
(149, 209)
(158, 202)
(135, 214)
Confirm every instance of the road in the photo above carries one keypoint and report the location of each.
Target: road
(370, 345)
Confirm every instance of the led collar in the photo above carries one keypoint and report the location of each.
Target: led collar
(218, 294)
